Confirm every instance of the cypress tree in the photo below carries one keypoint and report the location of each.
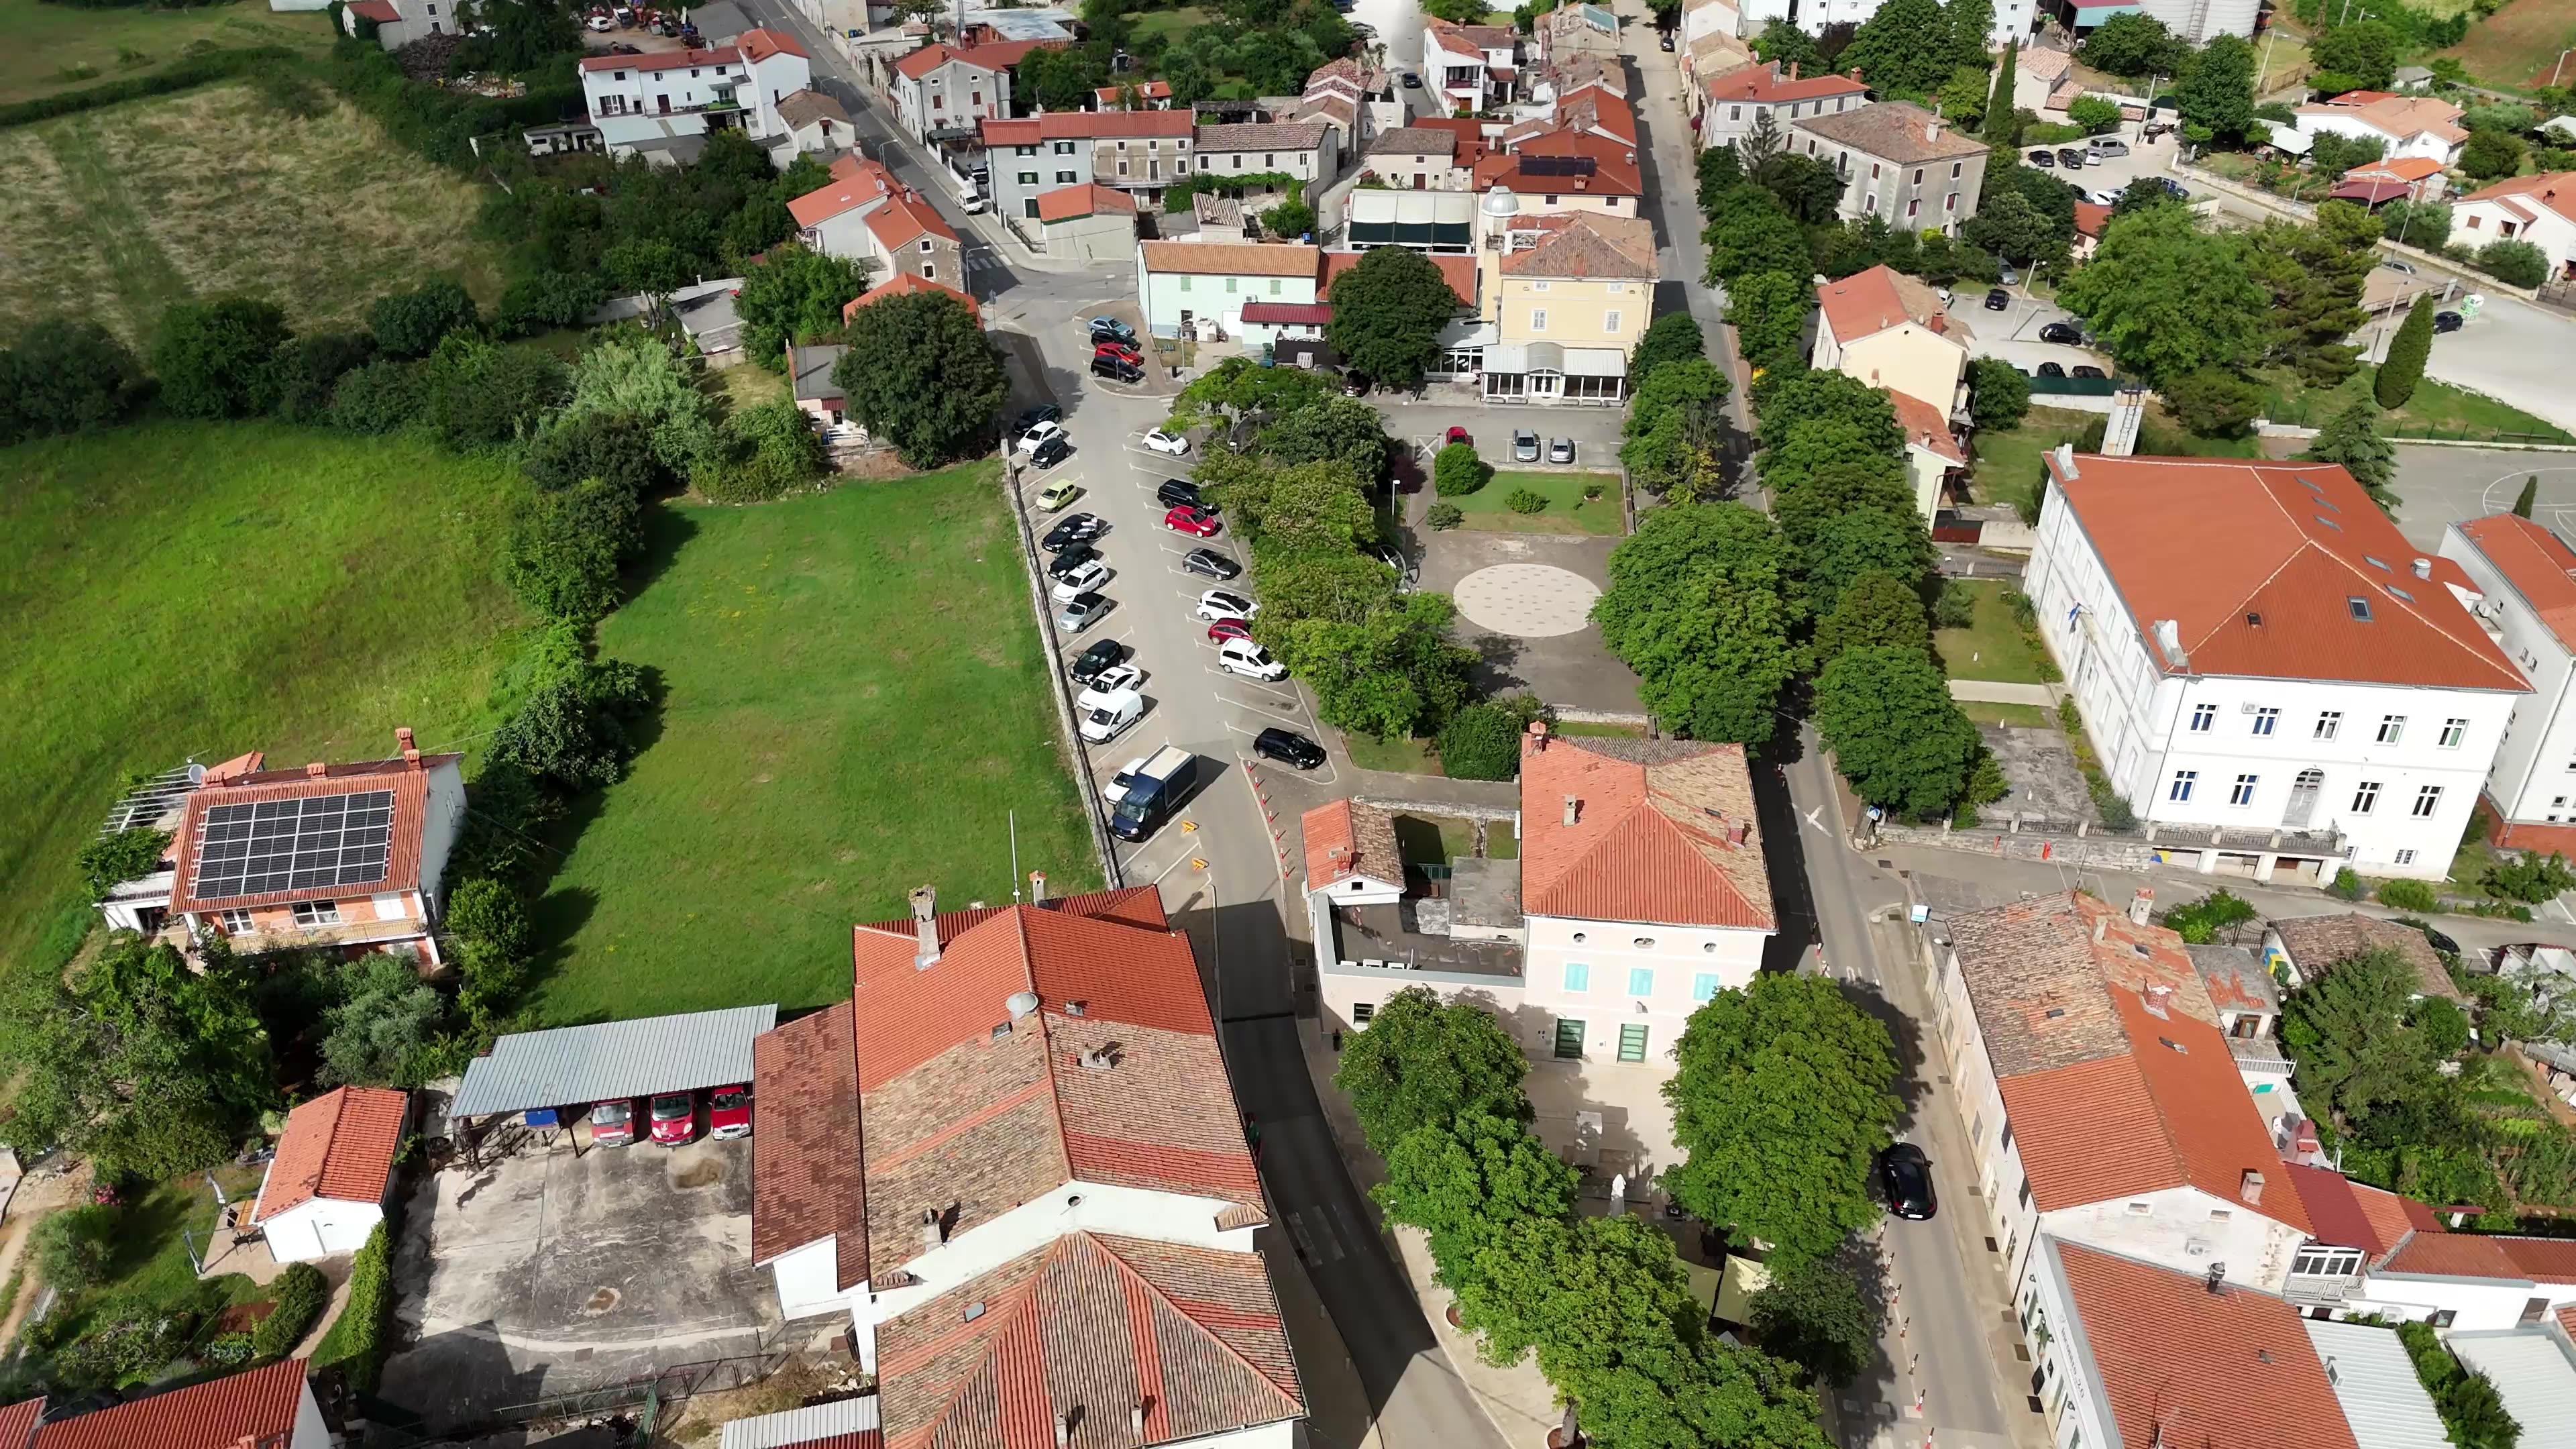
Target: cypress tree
(1999, 106)
(2405, 365)
(2530, 496)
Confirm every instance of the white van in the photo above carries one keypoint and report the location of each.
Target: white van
(1105, 716)
(1242, 656)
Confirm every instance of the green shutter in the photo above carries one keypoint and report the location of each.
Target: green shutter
(1569, 1041)
(1632, 1043)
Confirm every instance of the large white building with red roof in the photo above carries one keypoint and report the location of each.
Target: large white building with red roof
(2526, 578)
(661, 105)
(2273, 677)
(262, 1408)
(1013, 1163)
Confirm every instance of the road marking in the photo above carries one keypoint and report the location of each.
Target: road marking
(1274, 701)
(1811, 819)
(1297, 718)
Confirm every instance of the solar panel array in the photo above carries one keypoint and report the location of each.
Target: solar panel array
(293, 845)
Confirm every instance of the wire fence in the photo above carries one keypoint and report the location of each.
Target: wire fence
(2302, 414)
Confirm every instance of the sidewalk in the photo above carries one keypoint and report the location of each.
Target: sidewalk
(1992, 691)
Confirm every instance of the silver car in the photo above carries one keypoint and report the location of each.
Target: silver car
(1560, 450)
(1524, 447)
(1081, 611)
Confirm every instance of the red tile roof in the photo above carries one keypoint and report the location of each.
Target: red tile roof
(259, 1405)
(380, 11)
(1069, 125)
(903, 284)
(1347, 838)
(806, 1182)
(1151, 90)
(18, 1421)
(2403, 168)
(1663, 833)
(1865, 304)
(2180, 1364)
(2218, 545)
(1461, 272)
(2335, 1209)
(1614, 167)
(1925, 424)
(1768, 83)
(750, 46)
(1087, 199)
(906, 218)
(2454, 1255)
(999, 56)
(1221, 259)
(2544, 1260)
(856, 181)
(1298, 314)
(1094, 1325)
(340, 1146)
(761, 44)
(408, 781)
(2539, 565)
(2555, 190)
(2090, 218)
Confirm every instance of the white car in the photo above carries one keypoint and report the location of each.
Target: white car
(1163, 442)
(1116, 677)
(1082, 579)
(1218, 604)
(1116, 789)
(1029, 440)
(1242, 656)
(1106, 713)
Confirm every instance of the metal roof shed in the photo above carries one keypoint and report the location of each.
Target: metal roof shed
(577, 1064)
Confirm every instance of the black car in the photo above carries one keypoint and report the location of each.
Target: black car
(1071, 560)
(2090, 372)
(2052, 369)
(2042, 158)
(1051, 452)
(1116, 370)
(1073, 529)
(1049, 413)
(2071, 157)
(1087, 665)
(1288, 747)
(1209, 562)
(1905, 1177)
(2448, 321)
(1664, 41)
(1181, 493)
(1998, 299)
(2062, 332)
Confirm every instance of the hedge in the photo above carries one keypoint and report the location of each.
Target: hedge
(301, 1295)
(203, 68)
(357, 1342)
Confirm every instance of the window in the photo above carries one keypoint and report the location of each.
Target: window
(1551, 201)
(1032, 150)
(1569, 1040)
(2359, 606)
(1610, 320)
(2138, 1208)
(317, 913)
(2328, 723)
(2025, 1192)
(925, 244)
(1578, 976)
(2265, 720)
(2405, 857)
(1030, 178)
(232, 923)
(1704, 986)
(2444, 1317)
(1274, 286)
(2365, 797)
(2428, 799)
(2183, 780)
(1914, 207)
(1873, 171)
(1269, 161)
(1361, 1011)
(1641, 981)
(929, 271)
(1918, 175)
(1956, 169)
(1066, 178)
(2392, 728)
(1538, 319)
(2453, 731)
(1736, 113)
(1029, 209)
(1632, 1042)
(2203, 716)
(2317, 1260)
(1951, 202)
(2243, 793)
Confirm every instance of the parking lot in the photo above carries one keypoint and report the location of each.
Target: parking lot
(559, 1268)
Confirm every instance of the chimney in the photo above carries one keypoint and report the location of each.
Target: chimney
(316, 770)
(932, 1234)
(408, 748)
(1538, 732)
(2423, 568)
(2250, 1187)
(2101, 928)
(2141, 905)
(1037, 887)
(925, 928)
(2065, 456)
(1932, 129)
(2169, 639)
(1855, 72)
(2157, 999)
(1793, 70)
(1573, 810)
(1136, 1423)
(1063, 1429)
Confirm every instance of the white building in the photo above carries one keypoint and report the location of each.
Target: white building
(2012, 17)
(1309, 151)
(662, 104)
(2271, 674)
(1192, 289)
(942, 90)
(2195, 21)
(1012, 1163)
(399, 22)
(325, 1190)
(1732, 103)
(865, 214)
(2526, 599)
(2539, 209)
(2403, 125)
(1471, 68)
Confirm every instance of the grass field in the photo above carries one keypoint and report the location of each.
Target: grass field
(2435, 406)
(182, 589)
(117, 213)
(2518, 45)
(2029, 716)
(150, 1260)
(1490, 508)
(1991, 649)
(1171, 23)
(61, 48)
(854, 699)
(2008, 468)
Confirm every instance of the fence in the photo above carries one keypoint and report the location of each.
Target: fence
(2299, 413)
(2075, 386)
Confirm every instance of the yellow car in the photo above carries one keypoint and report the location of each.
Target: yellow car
(1058, 494)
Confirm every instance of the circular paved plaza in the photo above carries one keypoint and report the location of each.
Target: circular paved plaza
(1529, 601)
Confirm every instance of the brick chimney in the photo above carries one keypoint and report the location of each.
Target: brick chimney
(1793, 70)
(2101, 929)
(1573, 810)
(925, 928)
(316, 770)
(2250, 1187)
(1538, 732)
(407, 746)
(1037, 887)
(2142, 905)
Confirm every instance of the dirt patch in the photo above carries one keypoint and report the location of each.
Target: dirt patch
(39, 1194)
(705, 1172)
(602, 1301)
(2518, 45)
(803, 1377)
(242, 1317)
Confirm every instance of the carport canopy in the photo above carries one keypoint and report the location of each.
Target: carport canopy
(573, 1065)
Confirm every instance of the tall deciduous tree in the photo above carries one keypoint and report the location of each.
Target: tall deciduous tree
(2216, 93)
(219, 359)
(1815, 1315)
(1878, 608)
(1752, 232)
(1780, 1102)
(921, 375)
(1391, 674)
(65, 376)
(409, 324)
(1319, 505)
(1461, 1181)
(2133, 45)
(2347, 1029)
(1888, 717)
(1387, 316)
(1423, 1062)
(2398, 375)
(794, 295)
(1903, 49)
(1769, 313)
(1673, 337)
(2168, 297)
(1853, 545)
(1699, 605)
(1336, 429)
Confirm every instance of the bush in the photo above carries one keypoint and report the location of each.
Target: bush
(548, 299)
(66, 377)
(1999, 393)
(72, 1248)
(2213, 402)
(2199, 922)
(381, 397)
(2347, 885)
(356, 1343)
(775, 451)
(2515, 263)
(301, 1293)
(1457, 471)
(2531, 878)
(1445, 516)
(2115, 811)
(309, 370)
(2408, 895)
(1482, 742)
(2097, 116)
(125, 1341)
(410, 324)
(565, 550)
(1526, 500)
(219, 359)
(1956, 606)
(615, 448)
(185, 75)
(571, 730)
(476, 394)
(111, 860)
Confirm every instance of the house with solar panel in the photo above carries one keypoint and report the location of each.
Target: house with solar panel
(348, 857)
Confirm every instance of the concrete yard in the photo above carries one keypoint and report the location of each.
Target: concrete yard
(558, 1270)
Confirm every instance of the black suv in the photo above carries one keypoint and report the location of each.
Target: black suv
(2062, 332)
(1116, 370)
(1209, 562)
(1065, 563)
(1288, 747)
(1079, 528)
(1182, 493)
(1087, 665)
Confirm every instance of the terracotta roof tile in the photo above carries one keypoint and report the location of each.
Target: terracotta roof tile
(761, 44)
(340, 1145)
(1865, 304)
(1663, 833)
(2398, 116)
(2180, 1364)
(2209, 542)
(1924, 424)
(1281, 314)
(1460, 271)
(2555, 190)
(904, 284)
(2536, 562)
(806, 1182)
(1346, 838)
(1589, 246)
(1147, 90)
(2335, 1208)
(18, 1421)
(1220, 259)
(2316, 943)
(1088, 199)
(1260, 136)
(906, 218)
(856, 181)
(999, 56)
(1771, 84)
(410, 787)
(1613, 167)
(2544, 1260)
(2455, 1255)
(2090, 218)
(1074, 125)
(259, 1405)
(804, 108)
(1897, 131)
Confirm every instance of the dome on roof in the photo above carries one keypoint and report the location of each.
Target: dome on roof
(1500, 201)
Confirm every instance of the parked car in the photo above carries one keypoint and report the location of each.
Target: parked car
(1288, 747)
(1112, 326)
(1412, 82)
(1116, 369)
(622, 48)
(1117, 677)
(1242, 656)
(1122, 351)
(1458, 434)
(2103, 195)
(1072, 530)
(1048, 413)
(2042, 158)
(1226, 604)
(1040, 433)
(1106, 713)
(2070, 157)
(1664, 41)
(612, 1123)
(1998, 299)
(2107, 146)
(1560, 450)
(1081, 612)
(1905, 1176)
(2085, 371)
(2173, 188)
(2448, 322)
(2066, 333)
(675, 1118)
(1228, 628)
(2005, 274)
(1082, 580)
(1524, 446)
(1051, 452)
(1116, 789)
(1208, 563)
(1163, 442)
(2052, 369)
(2394, 265)
(1057, 494)
(1193, 521)
(1181, 493)
(729, 1113)
(1101, 656)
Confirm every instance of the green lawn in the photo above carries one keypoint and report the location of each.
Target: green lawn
(1993, 648)
(1489, 507)
(854, 701)
(150, 1260)
(1169, 23)
(55, 47)
(1601, 731)
(181, 589)
(2008, 466)
(1403, 757)
(2029, 716)
(2436, 407)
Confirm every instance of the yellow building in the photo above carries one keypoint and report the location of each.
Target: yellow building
(1567, 296)
(1893, 331)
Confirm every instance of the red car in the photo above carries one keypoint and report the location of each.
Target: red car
(1224, 629)
(729, 1113)
(1119, 350)
(675, 1118)
(612, 1124)
(1193, 521)
(1458, 434)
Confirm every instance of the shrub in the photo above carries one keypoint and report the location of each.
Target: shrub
(1999, 395)
(548, 299)
(73, 1246)
(484, 911)
(2515, 263)
(476, 394)
(356, 1342)
(111, 860)
(1527, 500)
(1956, 606)
(1592, 492)
(572, 729)
(1457, 471)
(2408, 895)
(2530, 879)
(229, 1350)
(219, 359)
(565, 549)
(2347, 884)
(309, 370)
(301, 1293)
(615, 448)
(2115, 811)
(775, 451)
(381, 397)
(126, 1340)
(2200, 921)
(1445, 516)
(1481, 742)
(66, 377)
(2095, 115)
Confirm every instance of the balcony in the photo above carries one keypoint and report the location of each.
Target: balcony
(342, 933)
(2320, 1288)
(2261, 1056)
(1141, 171)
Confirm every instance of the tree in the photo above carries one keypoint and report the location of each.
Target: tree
(2315, 273)
(2133, 45)
(2168, 298)
(1769, 313)
(2214, 402)
(538, 300)
(631, 376)
(1854, 544)
(2530, 494)
(616, 448)
(2422, 224)
(1813, 1315)
(2141, 193)
(409, 324)
(1482, 742)
(1465, 1180)
(1878, 609)
(1692, 387)
(1903, 49)
(1783, 402)
(920, 374)
(1343, 587)
(1423, 1062)
(2352, 438)
(1321, 505)
(309, 368)
(74, 1247)
(2216, 92)
(1390, 674)
(2515, 263)
(1388, 313)
(2491, 154)
(2345, 1027)
(1717, 172)
(1962, 98)
(1999, 105)
(382, 1025)
(1673, 337)
(219, 359)
(566, 547)
(1337, 429)
(1699, 607)
(1810, 189)
(572, 728)
(1887, 716)
(1851, 481)
(1998, 395)
(794, 295)
(1783, 44)
(66, 377)
(1971, 26)
(1677, 457)
(2011, 227)
(2097, 116)
(1456, 471)
(2360, 56)
(1754, 149)
(2404, 366)
(1780, 1101)
(475, 394)
(1751, 232)
(109, 861)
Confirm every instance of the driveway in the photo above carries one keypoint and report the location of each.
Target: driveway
(2013, 333)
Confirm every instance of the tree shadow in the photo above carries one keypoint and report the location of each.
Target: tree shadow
(1496, 656)
(666, 531)
(553, 921)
